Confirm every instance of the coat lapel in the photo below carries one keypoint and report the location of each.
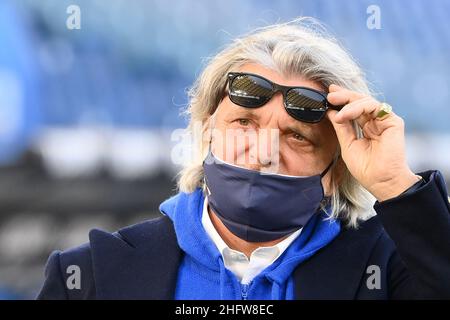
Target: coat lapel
(141, 262)
(336, 271)
(137, 262)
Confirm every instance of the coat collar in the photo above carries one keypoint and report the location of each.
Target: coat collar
(142, 261)
(137, 262)
(337, 269)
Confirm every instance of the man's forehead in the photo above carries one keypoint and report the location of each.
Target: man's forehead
(275, 76)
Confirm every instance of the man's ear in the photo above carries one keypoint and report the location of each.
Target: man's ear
(208, 125)
(207, 131)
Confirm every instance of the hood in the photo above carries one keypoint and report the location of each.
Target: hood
(185, 210)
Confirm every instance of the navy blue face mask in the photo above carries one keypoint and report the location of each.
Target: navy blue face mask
(260, 207)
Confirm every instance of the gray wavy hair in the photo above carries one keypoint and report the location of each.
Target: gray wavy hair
(299, 47)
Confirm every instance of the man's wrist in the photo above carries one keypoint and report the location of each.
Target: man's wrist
(415, 186)
(397, 187)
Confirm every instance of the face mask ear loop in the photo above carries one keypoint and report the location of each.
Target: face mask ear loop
(335, 158)
(205, 184)
(211, 126)
(324, 172)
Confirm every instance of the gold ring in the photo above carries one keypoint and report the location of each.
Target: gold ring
(385, 109)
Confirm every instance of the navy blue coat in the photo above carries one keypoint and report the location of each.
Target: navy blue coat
(408, 240)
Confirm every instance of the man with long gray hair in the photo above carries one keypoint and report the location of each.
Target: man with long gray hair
(298, 188)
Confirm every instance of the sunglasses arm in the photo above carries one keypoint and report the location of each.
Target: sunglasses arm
(337, 108)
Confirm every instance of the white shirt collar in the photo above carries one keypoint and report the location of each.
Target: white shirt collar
(237, 262)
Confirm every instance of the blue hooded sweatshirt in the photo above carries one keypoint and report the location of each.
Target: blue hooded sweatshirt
(202, 274)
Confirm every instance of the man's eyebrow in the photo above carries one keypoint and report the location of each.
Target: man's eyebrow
(245, 112)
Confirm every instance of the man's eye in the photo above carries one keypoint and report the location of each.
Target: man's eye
(298, 136)
(243, 122)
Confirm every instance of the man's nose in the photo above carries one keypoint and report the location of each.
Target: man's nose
(265, 147)
(266, 151)
(277, 101)
(268, 137)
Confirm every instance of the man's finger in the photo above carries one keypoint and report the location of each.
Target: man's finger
(344, 131)
(341, 96)
(361, 110)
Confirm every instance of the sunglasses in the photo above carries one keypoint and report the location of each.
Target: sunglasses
(253, 91)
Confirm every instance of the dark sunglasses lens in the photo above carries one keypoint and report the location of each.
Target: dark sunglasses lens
(306, 105)
(250, 91)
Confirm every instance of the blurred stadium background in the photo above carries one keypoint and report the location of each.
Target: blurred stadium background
(86, 115)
